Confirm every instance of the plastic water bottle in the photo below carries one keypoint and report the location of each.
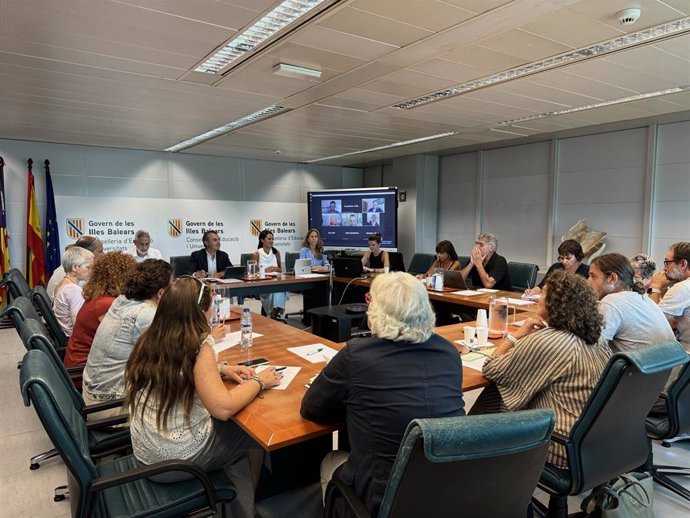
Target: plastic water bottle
(215, 311)
(438, 279)
(246, 339)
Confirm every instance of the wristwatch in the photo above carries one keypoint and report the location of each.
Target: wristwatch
(220, 366)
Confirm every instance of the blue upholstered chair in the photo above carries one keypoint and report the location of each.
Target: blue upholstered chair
(421, 263)
(483, 466)
(120, 487)
(610, 437)
(522, 275)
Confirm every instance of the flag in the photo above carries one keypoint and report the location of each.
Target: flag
(35, 257)
(53, 258)
(4, 245)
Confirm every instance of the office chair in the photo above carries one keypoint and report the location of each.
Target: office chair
(609, 438)
(244, 258)
(290, 258)
(19, 309)
(102, 442)
(396, 262)
(483, 466)
(421, 263)
(522, 275)
(464, 260)
(16, 283)
(40, 299)
(675, 422)
(180, 265)
(120, 487)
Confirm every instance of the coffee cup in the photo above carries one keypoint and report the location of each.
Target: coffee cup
(469, 334)
(482, 335)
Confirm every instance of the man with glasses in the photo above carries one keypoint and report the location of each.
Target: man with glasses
(671, 290)
(142, 248)
(486, 268)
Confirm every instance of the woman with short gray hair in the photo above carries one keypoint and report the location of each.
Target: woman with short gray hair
(77, 263)
(378, 385)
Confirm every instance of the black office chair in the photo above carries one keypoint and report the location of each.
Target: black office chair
(478, 466)
(675, 422)
(610, 438)
(40, 299)
(290, 258)
(396, 263)
(421, 263)
(16, 283)
(244, 258)
(120, 487)
(181, 265)
(19, 309)
(522, 275)
(102, 442)
(464, 260)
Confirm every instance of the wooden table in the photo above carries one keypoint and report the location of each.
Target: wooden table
(476, 301)
(273, 285)
(274, 420)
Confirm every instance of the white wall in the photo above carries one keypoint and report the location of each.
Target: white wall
(109, 172)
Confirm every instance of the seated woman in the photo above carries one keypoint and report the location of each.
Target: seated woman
(180, 408)
(108, 278)
(644, 268)
(312, 249)
(553, 361)
(68, 300)
(268, 258)
(375, 260)
(378, 385)
(446, 259)
(129, 316)
(570, 257)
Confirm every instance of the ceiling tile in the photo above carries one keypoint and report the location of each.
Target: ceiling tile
(433, 15)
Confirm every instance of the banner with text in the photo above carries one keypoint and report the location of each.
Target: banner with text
(176, 226)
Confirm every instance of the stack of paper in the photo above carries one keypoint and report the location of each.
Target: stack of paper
(231, 340)
(467, 293)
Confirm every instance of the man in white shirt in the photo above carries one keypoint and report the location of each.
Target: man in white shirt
(210, 261)
(142, 248)
(631, 319)
(671, 289)
(93, 244)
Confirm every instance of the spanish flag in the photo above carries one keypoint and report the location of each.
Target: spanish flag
(35, 257)
(4, 244)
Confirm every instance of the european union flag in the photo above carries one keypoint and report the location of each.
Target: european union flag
(53, 257)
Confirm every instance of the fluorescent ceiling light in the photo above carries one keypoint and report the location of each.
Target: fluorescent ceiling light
(645, 36)
(283, 69)
(387, 146)
(574, 109)
(283, 16)
(260, 115)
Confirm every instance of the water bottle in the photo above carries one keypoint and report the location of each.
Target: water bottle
(246, 339)
(438, 279)
(215, 311)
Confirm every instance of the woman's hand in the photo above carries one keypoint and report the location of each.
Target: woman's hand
(271, 377)
(218, 332)
(533, 291)
(531, 325)
(238, 373)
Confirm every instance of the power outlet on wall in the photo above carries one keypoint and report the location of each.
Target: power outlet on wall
(402, 196)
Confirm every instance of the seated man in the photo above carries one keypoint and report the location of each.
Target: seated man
(486, 268)
(631, 319)
(142, 248)
(671, 290)
(210, 261)
(644, 268)
(378, 385)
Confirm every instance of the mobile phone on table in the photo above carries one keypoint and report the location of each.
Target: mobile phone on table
(254, 363)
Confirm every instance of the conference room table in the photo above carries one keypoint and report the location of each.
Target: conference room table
(480, 301)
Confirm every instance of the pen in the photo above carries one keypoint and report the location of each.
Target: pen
(314, 352)
(278, 369)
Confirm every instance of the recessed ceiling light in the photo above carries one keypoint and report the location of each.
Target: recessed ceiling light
(260, 115)
(387, 146)
(645, 36)
(284, 16)
(283, 69)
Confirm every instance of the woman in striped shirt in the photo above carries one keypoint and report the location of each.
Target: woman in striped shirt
(553, 361)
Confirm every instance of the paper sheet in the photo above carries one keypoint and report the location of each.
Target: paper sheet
(230, 281)
(314, 353)
(467, 293)
(231, 340)
(289, 374)
(519, 302)
(476, 362)
(531, 297)
(487, 290)
(309, 276)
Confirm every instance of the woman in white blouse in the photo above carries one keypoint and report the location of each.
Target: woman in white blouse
(180, 408)
(268, 259)
(68, 300)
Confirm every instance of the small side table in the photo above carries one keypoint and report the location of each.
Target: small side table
(334, 322)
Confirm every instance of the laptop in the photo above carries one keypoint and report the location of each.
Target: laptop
(302, 266)
(453, 279)
(234, 272)
(349, 267)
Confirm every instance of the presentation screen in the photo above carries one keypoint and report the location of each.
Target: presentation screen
(346, 217)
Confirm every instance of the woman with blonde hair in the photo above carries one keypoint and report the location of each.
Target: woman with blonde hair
(378, 385)
(179, 406)
(107, 281)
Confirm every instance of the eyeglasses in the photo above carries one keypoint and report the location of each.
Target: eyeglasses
(669, 261)
(201, 286)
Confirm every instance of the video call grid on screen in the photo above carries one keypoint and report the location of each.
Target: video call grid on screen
(347, 218)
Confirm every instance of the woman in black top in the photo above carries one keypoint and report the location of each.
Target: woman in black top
(375, 260)
(378, 385)
(570, 256)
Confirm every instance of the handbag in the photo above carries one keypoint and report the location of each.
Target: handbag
(627, 496)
